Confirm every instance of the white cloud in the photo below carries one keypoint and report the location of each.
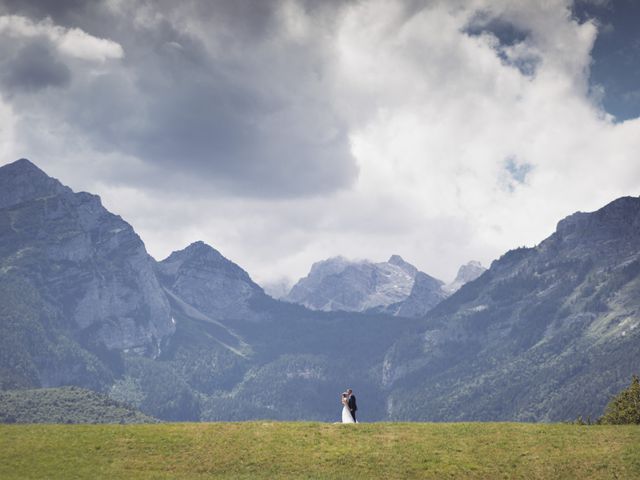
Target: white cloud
(433, 114)
(73, 42)
(7, 126)
(442, 113)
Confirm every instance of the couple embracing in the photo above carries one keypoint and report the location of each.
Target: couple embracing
(349, 407)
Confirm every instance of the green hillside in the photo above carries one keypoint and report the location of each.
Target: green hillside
(317, 450)
(65, 405)
(546, 334)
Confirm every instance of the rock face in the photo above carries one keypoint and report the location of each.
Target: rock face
(200, 276)
(466, 274)
(547, 333)
(427, 292)
(21, 181)
(87, 264)
(340, 284)
(394, 287)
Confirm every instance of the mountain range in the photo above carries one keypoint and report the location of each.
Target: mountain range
(191, 337)
(545, 333)
(394, 287)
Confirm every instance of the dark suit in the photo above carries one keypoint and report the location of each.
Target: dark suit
(352, 406)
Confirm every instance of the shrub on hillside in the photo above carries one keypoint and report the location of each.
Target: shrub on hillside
(625, 407)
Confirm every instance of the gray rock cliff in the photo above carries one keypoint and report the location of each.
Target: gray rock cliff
(89, 262)
(427, 292)
(200, 276)
(466, 273)
(340, 284)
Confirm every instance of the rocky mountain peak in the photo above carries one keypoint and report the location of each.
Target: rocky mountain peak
(341, 284)
(22, 181)
(201, 251)
(200, 276)
(466, 273)
(199, 246)
(329, 266)
(469, 272)
(202, 257)
(23, 166)
(86, 255)
(398, 261)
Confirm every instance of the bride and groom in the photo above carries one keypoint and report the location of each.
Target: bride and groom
(349, 407)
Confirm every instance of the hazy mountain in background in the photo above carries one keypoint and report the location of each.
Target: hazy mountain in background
(547, 333)
(394, 287)
(466, 274)
(426, 293)
(356, 286)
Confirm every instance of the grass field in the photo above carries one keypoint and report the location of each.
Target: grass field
(316, 450)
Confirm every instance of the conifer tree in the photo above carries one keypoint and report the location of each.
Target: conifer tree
(625, 407)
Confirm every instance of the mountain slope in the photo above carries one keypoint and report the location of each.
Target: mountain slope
(246, 355)
(547, 333)
(200, 276)
(426, 293)
(77, 285)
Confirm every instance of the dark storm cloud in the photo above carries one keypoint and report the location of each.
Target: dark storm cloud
(33, 67)
(61, 11)
(217, 92)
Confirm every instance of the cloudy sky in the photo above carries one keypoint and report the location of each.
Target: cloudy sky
(284, 132)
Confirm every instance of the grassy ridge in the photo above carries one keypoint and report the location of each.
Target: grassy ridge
(316, 450)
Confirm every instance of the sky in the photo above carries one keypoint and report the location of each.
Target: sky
(285, 132)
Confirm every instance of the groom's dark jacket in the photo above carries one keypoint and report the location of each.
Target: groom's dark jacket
(352, 403)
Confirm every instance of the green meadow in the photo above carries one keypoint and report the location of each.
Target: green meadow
(255, 450)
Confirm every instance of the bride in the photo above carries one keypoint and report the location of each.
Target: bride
(346, 413)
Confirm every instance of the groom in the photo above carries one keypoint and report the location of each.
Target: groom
(352, 404)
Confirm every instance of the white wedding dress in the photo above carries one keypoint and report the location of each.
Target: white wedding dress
(346, 415)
